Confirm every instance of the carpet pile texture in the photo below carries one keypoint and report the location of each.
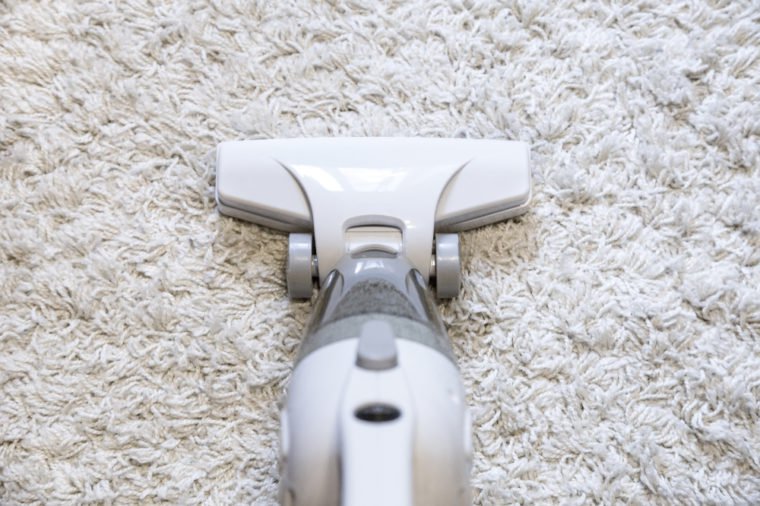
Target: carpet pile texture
(609, 339)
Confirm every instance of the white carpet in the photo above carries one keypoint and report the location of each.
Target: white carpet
(609, 340)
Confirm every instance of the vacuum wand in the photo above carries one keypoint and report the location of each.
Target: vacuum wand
(375, 412)
(376, 394)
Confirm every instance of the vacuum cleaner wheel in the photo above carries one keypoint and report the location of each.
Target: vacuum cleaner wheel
(298, 270)
(447, 265)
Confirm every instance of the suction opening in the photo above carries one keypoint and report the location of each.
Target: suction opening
(377, 413)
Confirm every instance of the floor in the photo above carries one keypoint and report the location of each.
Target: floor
(609, 339)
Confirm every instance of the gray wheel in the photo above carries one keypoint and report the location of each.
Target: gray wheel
(447, 265)
(298, 270)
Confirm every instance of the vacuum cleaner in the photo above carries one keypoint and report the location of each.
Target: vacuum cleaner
(375, 411)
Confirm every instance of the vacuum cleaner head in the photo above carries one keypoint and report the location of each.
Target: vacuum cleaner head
(406, 188)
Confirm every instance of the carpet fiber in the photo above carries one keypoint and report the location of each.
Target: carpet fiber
(609, 339)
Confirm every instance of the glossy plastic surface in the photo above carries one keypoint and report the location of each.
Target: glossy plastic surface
(329, 185)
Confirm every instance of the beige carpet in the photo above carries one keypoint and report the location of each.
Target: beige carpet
(609, 340)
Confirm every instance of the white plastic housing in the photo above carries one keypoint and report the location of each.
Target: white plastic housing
(328, 185)
(427, 450)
